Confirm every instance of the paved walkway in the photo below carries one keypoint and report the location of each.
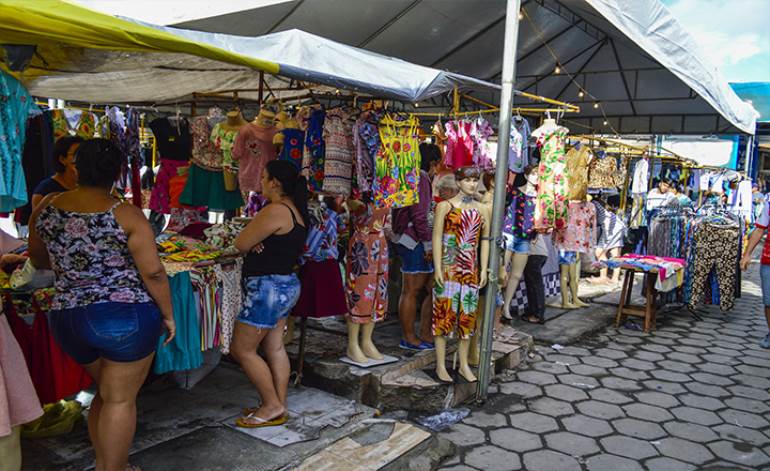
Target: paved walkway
(692, 395)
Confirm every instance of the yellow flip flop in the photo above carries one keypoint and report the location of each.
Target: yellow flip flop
(260, 422)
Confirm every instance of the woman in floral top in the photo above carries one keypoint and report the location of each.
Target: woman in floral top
(112, 293)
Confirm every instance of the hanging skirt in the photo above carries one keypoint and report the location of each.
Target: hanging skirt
(322, 294)
(207, 188)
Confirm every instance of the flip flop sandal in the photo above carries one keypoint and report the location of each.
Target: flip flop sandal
(260, 422)
(253, 410)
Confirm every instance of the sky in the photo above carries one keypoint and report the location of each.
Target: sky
(734, 34)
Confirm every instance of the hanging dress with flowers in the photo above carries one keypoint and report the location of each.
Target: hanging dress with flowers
(397, 172)
(367, 266)
(551, 209)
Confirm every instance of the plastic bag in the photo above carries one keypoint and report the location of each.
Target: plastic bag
(444, 419)
(58, 419)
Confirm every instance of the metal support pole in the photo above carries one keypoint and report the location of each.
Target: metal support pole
(501, 175)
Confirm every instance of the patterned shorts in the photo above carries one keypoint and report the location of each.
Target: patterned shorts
(267, 299)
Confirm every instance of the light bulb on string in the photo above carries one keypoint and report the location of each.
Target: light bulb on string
(604, 123)
(521, 15)
(416, 105)
(581, 94)
(596, 105)
(557, 70)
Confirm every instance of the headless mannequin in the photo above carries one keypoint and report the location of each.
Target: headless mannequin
(463, 200)
(265, 119)
(361, 348)
(578, 186)
(234, 121)
(516, 260)
(570, 277)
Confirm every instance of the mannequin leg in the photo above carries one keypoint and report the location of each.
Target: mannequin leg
(288, 336)
(475, 341)
(441, 371)
(465, 369)
(367, 345)
(564, 277)
(574, 283)
(354, 348)
(517, 270)
(505, 269)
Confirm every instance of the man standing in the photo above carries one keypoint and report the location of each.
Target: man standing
(762, 223)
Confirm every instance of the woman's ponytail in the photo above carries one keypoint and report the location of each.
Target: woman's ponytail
(293, 184)
(299, 198)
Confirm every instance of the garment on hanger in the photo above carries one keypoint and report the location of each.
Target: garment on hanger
(459, 145)
(481, 131)
(717, 250)
(314, 157)
(184, 351)
(18, 400)
(551, 209)
(206, 188)
(173, 140)
(160, 199)
(740, 200)
(455, 303)
(641, 177)
(603, 172)
(224, 140)
(338, 165)
(367, 266)
(518, 153)
(577, 172)
(86, 126)
(204, 152)
(132, 148)
(252, 149)
(398, 166)
(293, 144)
(580, 235)
(61, 126)
(17, 104)
(366, 138)
(230, 280)
(54, 373)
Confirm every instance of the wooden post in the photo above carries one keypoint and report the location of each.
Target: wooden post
(261, 87)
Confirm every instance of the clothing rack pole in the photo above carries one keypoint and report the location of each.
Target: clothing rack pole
(624, 190)
(455, 102)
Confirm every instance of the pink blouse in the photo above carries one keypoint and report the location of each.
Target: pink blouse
(253, 148)
(580, 234)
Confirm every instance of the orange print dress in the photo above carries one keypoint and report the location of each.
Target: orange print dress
(455, 303)
(367, 266)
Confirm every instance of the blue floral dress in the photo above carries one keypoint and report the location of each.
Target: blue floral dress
(15, 105)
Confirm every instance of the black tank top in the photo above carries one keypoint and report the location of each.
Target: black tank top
(280, 254)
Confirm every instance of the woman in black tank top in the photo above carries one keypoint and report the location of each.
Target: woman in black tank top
(273, 243)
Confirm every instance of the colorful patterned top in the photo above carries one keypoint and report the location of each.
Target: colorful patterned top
(205, 153)
(314, 156)
(520, 216)
(338, 167)
(224, 140)
(551, 209)
(89, 254)
(455, 302)
(253, 149)
(16, 104)
(397, 167)
(86, 127)
(581, 233)
(293, 144)
(366, 137)
(321, 243)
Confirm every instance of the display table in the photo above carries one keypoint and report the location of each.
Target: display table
(662, 274)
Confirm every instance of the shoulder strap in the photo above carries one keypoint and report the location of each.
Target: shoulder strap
(291, 211)
(112, 208)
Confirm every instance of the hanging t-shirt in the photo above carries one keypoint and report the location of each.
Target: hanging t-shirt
(641, 177)
(253, 149)
(518, 154)
(16, 106)
(173, 140)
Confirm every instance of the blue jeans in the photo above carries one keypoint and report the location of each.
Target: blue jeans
(267, 299)
(122, 332)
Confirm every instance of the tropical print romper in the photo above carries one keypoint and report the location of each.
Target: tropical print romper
(367, 266)
(455, 303)
(551, 208)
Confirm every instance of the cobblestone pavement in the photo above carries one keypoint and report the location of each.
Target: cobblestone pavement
(692, 395)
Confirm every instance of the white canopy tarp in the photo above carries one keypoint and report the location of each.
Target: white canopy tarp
(631, 56)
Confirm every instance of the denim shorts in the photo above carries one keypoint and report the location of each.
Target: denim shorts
(514, 244)
(267, 299)
(764, 274)
(567, 257)
(413, 261)
(121, 332)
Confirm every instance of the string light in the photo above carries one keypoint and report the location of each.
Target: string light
(596, 105)
(557, 70)
(416, 105)
(581, 94)
(604, 122)
(521, 15)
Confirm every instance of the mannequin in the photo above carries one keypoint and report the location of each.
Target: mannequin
(367, 278)
(518, 231)
(233, 121)
(223, 136)
(460, 225)
(579, 236)
(253, 149)
(551, 208)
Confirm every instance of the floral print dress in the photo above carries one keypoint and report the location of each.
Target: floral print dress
(456, 302)
(551, 209)
(367, 266)
(314, 157)
(397, 172)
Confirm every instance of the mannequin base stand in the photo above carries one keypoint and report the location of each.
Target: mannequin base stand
(386, 359)
(646, 312)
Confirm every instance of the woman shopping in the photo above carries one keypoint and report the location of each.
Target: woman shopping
(274, 241)
(112, 293)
